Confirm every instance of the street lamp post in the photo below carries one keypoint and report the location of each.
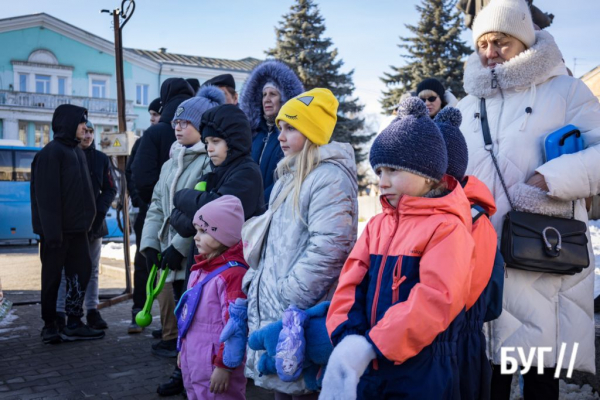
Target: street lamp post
(124, 13)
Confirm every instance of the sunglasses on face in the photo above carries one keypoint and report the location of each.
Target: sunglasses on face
(430, 99)
(182, 123)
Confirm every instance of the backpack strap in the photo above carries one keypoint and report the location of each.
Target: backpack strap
(477, 212)
(186, 308)
(222, 268)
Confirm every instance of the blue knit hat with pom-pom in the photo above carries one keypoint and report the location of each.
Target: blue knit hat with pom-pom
(192, 109)
(449, 120)
(412, 142)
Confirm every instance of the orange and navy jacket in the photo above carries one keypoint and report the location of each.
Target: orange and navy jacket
(408, 276)
(484, 236)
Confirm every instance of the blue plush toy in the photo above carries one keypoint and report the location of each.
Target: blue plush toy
(235, 334)
(318, 346)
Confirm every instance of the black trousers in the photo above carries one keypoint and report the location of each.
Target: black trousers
(542, 387)
(74, 256)
(140, 271)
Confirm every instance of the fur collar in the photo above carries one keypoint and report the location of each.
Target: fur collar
(531, 199)
(533, 66)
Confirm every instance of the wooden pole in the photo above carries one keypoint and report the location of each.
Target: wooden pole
(122, 160)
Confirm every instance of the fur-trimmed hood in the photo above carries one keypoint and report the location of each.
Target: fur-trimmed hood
(533, 66)
(251, 98)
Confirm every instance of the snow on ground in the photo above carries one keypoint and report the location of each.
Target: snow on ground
(595, 234)
(115, 250)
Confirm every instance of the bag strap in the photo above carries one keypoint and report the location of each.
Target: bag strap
(489, 146)
(476, 213)
(281, 196)
(222, 268)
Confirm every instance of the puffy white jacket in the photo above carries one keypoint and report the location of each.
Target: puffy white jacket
(182, 171)
(539, 309)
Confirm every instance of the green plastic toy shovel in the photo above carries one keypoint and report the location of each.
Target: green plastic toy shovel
(143, 318)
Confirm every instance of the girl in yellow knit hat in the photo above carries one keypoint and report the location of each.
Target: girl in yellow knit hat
(311, 232)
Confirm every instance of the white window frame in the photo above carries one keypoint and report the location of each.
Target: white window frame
(46, 82)
(32, 70)
(144, 88)
(22, 88)
(99, 77)
(66, 93)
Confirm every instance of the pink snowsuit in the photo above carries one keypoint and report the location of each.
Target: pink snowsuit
(201, 350)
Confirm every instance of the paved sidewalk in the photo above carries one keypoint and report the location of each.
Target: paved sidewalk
(120, 366)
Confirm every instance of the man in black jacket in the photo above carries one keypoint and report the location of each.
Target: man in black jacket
(104, 192)
(154, 147)
(63, 209)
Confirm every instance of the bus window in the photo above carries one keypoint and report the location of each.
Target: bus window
(6, 165)
(23, 160)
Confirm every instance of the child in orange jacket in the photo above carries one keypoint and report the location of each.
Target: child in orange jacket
(399, 306)
(484, 301)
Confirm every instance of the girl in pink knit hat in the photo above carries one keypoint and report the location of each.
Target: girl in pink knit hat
(214, 307)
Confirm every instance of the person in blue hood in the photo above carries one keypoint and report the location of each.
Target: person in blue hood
(270, 85)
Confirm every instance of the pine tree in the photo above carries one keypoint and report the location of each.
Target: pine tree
(301, 45)
(436, 50)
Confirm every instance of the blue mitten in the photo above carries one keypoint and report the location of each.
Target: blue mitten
(266, 365)
(235, 334)
(291, 345)
(266, 338)
(320, 310)
(318, 344)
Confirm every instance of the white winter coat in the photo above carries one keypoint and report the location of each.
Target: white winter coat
(182, 171)
(539, 309)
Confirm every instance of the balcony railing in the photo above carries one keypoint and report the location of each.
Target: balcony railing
(51, 101)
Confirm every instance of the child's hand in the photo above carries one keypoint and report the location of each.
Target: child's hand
(179, 360)
(219, 380)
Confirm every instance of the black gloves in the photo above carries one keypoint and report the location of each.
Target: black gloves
(152, 258)
(172, 259)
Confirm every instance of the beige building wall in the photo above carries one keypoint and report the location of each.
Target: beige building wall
(592, 80)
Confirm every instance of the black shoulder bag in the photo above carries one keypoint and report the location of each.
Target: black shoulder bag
(535, 242)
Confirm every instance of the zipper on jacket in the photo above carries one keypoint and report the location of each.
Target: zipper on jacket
(397, 281)
(379, 277)
(494, 79)
(265, 142)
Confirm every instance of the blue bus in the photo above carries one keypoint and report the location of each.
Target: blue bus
(15, 201)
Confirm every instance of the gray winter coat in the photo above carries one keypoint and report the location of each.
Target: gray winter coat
(301, 263)
(182, 171)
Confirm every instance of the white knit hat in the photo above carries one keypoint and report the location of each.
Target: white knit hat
(507, 16)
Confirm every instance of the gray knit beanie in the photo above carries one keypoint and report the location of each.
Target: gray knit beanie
(192, 109)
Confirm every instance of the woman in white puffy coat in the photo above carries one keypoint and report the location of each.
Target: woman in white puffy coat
(528, 94)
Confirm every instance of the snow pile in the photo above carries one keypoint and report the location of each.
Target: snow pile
(8, 319)
(115, 250)
(570, 391)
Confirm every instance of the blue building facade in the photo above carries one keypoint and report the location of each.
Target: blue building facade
(45, 62)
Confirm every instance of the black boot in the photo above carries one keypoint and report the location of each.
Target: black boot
(174, 386)
(95, 321)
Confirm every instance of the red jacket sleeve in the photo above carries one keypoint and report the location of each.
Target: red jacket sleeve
(434, 302)
(233, 290)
